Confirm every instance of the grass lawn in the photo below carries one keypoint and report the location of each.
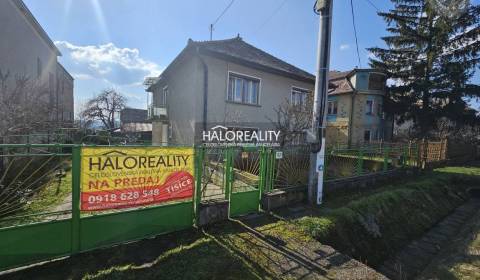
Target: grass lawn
(49, 199)
(374, 223)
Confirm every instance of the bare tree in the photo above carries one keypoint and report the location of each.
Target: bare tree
(24, 105)
(104, 108)
(292, 119)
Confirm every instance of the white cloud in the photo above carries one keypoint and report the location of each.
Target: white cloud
(97, 67)
(117, 65)
(344, 47)
(81, 76)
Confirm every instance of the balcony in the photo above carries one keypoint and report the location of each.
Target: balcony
(157, 112)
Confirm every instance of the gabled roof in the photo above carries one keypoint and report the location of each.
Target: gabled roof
(238, 51)
(38, 28)
(338, 82)
(242, 52)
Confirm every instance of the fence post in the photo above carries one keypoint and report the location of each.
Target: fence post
(404, 157)
(444, 148)
(272, 169)
(386, 159)
(360, 161)
(228, 173)
(198, 182)
(76, 172)
(263, 171)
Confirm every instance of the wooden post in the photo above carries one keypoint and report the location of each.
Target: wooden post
(444, 148)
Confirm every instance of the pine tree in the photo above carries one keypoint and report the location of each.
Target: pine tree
(431, 55)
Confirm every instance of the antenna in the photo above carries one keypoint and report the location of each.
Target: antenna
(212, 25)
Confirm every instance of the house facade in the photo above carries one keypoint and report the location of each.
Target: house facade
(355, 112)
(27, 50)
(226, 81)
(219, 82)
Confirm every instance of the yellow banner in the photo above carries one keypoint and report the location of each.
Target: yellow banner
(126, 177)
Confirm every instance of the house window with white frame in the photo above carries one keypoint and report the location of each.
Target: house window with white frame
(163, 97)
(242, 89)
(300, 96)
(332, 107)
(369, 107)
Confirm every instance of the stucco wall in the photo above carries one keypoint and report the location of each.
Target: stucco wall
(185, 97)
(64, 96)
(184, 107)
(21, 45)
(363, 121)
(22, 48)
(274, 90)
(337, 125)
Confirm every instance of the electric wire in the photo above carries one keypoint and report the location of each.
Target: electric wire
(373, 5)
(224, 11)
(355, 32)
(271, 15)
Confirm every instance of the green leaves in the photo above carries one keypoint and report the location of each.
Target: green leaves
(431, 56)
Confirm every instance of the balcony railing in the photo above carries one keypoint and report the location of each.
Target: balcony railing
(157, 112)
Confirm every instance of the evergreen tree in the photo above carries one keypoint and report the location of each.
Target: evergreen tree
(431, 55)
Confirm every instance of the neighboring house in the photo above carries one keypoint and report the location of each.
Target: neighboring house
(134, 120)
(26, 49)
(355, 107)
(228, 81)
(64, 96)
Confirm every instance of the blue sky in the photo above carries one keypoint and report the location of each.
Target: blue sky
(116, 43)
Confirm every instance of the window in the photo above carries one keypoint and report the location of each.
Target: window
(243, 89)
(366, 136)
(39, 67)
(300, 96)
(376, 81)
(332, 107)
(163, 97)
(369, 107)
(380, 110)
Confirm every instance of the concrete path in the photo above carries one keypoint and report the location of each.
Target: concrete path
(413, 259)
(279, 249)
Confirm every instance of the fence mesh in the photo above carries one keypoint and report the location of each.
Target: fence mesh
(246, 169)
(35, 184)
(213, 175)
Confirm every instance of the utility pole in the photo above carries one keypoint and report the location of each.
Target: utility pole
(319, 120)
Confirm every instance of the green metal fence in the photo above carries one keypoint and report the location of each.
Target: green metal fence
(288, 167)
(40, 216)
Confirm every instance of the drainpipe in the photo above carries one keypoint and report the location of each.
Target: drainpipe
(205, 89)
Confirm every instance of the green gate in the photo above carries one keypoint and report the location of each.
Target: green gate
(246, 177)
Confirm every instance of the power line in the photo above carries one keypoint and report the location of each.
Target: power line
(373, 5)
(355, 32)
(271, 15)
(218, 18)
